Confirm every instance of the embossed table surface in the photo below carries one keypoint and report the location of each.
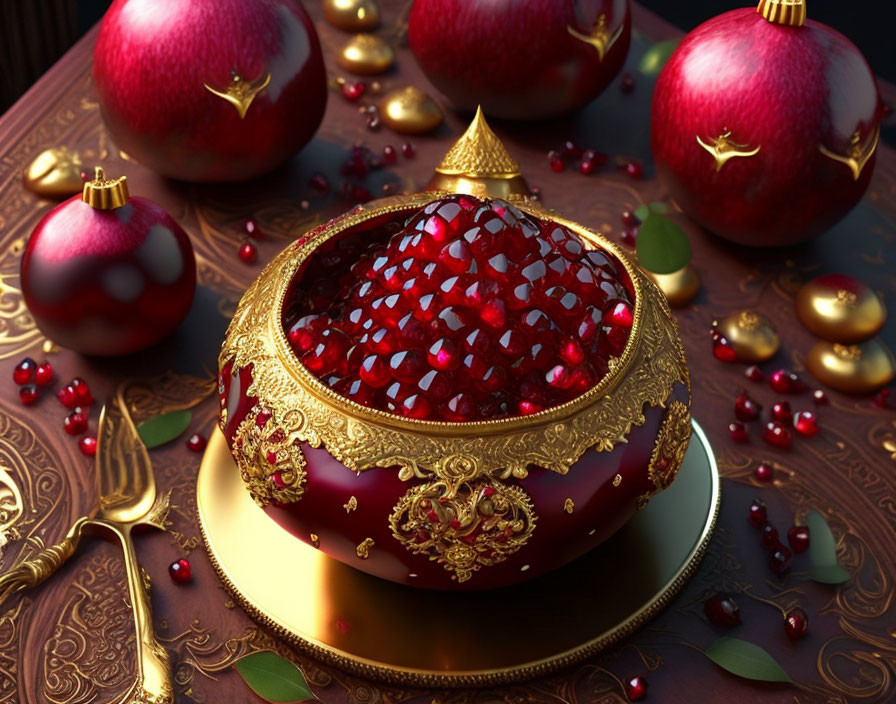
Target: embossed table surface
(71, 639)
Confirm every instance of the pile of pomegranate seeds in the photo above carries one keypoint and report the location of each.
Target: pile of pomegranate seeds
(471, 310)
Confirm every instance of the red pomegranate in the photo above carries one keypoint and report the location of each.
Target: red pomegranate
(520, 61)
(765, 124)
(210, 90)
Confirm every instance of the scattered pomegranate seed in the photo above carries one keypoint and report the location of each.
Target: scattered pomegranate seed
(786, 382)
(882, 399)
(408, 150)
(87, 445)
(390, 156)
(777, 435)
(627, 83)
(24, 371)
(723, 351)
(796, 624)
(820, 398)
(764, 472)
(44, 374)
(180, 571)
(67, 397)
(373, 121)
(248, 252)
(570, 150)
(75, 423)
(768, 537)
(781, 412)
(758, 514)
(555, 161)
(586, 166)
(82, 392)
(629, 219)
(196, 443)
(722, 611)
(745, 408)
(806, 424)
(630, 236)
(319, 184)
(634, 170)
(754, 373)
(353, 91)
(798, 537)
(28, 394)
(252, 229)
(635, 689)
(738, 432)
(779, 559)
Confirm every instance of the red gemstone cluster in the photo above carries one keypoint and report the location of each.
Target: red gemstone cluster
(471, 310)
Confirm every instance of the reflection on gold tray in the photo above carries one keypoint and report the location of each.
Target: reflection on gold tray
(382, 630)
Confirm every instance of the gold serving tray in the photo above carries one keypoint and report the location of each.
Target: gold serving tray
(376, 628)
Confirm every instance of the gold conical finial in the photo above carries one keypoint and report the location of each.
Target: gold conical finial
(103, 193)
(478, 164)
(791, 13)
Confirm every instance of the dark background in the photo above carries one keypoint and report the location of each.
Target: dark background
(35, 33)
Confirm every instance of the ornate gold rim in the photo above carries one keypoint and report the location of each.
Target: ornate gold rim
(363, 667)
(361, 438)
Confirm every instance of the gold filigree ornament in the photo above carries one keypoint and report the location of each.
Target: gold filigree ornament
(723, 149)
(671, 446)
(857, 154)
(241, 93)
(599, 37)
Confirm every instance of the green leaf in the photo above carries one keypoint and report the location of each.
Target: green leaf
(273, 678)
(641, 212)
(659, 208)
(823, 551)
(656, 56)
(663, 247)
(163, 428)
(744, 659)
(829, 574)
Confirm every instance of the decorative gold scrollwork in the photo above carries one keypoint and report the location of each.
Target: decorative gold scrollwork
(240, 93)
(858, 153)
(723, 149)
(671, 445)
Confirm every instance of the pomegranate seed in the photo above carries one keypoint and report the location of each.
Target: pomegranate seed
(630, 237)
(769, 536)
(180, 571)
(353, 91)
(252, 229)
(796, 624)
(248, 252)
(44, 374)
(67, 396)
(408, 150)
(820, 398)
(779, 559)
(786, 382)
(75, 423)
(745, 408)
(722, 611)
(738, 432)
(28, 394)
(758, 514)
(781, 412)
(319, 184)
(754, 373)
(24, 371)
(723, 351)
(635, 689)
(390, 156)
(586, 166)
(798, 537)
(196, 443)
(634, 170)
(82, 392)
(777, 435)
(87, 445)
(764, 473)
(373, 121)
(570, 150)
(882, 399)
(629, 219)
(806, 423)
(555, 161)
(627, 83)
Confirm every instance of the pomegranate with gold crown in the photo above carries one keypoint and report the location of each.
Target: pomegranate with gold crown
(454, 389)
(765, 125)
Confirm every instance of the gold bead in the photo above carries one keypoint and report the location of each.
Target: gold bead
(366, 55)
(409, 110)
(352, 15)
(839, 308)
(679, 287)
(751, 335)
(854, 369)
(54, 173)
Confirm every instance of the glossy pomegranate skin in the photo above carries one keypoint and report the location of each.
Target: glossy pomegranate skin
(600, 507)
(152, 60)
(788, 90)
(518, 60)
(121, 287)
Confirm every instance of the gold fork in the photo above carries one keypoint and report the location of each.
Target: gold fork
(127, 498)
